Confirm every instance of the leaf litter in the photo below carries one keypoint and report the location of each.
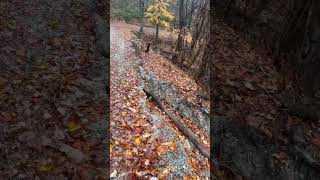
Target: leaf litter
(48, 75)
(152, 147)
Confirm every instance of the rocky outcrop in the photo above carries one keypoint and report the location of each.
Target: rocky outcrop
(165, 91)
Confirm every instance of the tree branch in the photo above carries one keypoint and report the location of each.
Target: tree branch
(185, 131)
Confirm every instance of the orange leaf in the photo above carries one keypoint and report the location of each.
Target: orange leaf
(129, 154)
(172, 146)
(162, 149)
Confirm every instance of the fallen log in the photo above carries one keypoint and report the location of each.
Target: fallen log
(185, 131)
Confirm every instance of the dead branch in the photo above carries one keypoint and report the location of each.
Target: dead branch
(185, 131)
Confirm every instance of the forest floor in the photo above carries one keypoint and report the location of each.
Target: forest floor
(251, 90)
(52, 93)
(144, 143)
(248, 89)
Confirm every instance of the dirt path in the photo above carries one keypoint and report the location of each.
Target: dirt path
(144, 143)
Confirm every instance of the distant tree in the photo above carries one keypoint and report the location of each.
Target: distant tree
(182, 25)
(143, 9)
(158, 15)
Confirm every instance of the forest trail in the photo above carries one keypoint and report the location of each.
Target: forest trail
(144, 143)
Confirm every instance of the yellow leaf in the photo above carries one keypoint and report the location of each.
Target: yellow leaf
(205, 142)
(172, 146)
(45, 168)
(184, 167)
(43, 67)
(110, 149)
(137, 140)
(73, 126)
(124, 115)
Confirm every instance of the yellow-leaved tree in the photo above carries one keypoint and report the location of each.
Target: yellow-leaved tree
(158, 15)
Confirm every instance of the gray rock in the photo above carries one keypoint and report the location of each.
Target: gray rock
(184, 108)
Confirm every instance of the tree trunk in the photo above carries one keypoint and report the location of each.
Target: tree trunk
(176, 14)
(142, 15)
(191, 13)
(204, 65)
(182, 25)
(144, 9)
(157, 33)
(309, 65)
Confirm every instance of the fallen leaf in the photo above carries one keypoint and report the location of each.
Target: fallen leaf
(141, 173)
(187, 177)
(172, 146)
(146, 135)
(129, 154)
(124, 115)
(162, 149)
(163, 173)
(132, 110)
(124, 124)
(147, 162)
(184, 167)
(137, 140)
(133, 102)
(113, 174)
(73, 126)
(45, 168)
(43, 67)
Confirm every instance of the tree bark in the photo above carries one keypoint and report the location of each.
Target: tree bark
(144, 9)
(191, 13)
(157, 33)
(176, 13)
(309, 65)
(182, 25)
(185, 131)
